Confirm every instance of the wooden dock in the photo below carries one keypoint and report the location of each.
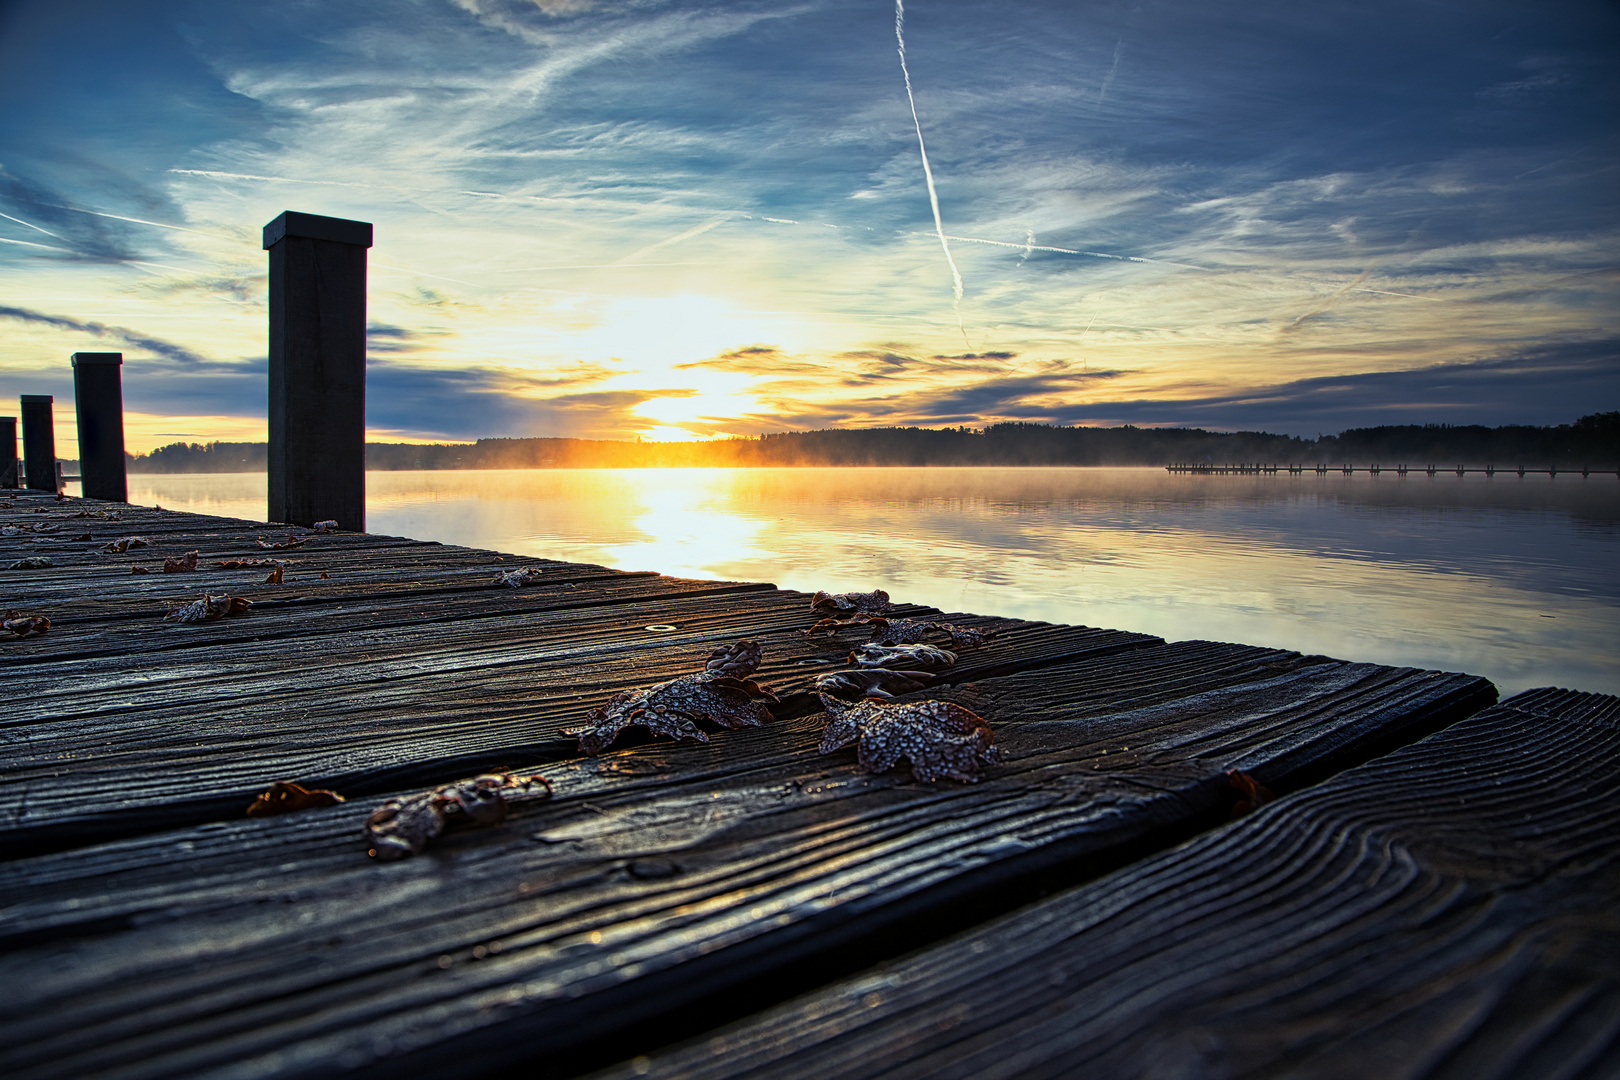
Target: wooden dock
(1434, 887)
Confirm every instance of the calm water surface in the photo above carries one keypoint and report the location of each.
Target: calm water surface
(1517, 580)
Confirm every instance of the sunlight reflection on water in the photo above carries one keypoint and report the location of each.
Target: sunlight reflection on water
(1514, 579)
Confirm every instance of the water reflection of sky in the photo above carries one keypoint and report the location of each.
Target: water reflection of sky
(1513, 579)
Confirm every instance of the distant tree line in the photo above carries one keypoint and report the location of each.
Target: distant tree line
(1592, 440)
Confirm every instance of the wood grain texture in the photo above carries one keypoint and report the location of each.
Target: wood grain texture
(1451, 910)
(665, 886)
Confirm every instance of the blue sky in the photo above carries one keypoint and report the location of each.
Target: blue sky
(677, 220)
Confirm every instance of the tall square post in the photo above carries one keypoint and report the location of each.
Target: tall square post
(39, 441)
(317, 468)
(8, 452)
(98, 396)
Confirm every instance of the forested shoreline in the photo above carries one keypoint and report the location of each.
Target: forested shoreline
(1592, 440)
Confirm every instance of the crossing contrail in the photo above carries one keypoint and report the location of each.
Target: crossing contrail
(928, 173)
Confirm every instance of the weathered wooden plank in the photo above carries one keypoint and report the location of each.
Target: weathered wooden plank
(280, 613)
(1446, 911)
(668, 885)
(138, 757)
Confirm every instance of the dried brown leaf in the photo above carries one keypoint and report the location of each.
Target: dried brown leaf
(123, 544)
(246, 564)
(867, 603)
(285, 797)
(872, 683)
(516, 579)
(212, 606)
(182, 564)
(274, 577)
(291, 542)
(1253, 793)
(324, 527)
(139, 570)
(915, 657)
(721, 694)
(403, 826)
(939, 738)
(20, 625)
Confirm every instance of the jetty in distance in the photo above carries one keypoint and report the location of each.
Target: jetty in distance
(1322, 469)
(234, 752)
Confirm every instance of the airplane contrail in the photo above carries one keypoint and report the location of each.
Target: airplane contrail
(36, 228)
(928, 172)
(696, 230)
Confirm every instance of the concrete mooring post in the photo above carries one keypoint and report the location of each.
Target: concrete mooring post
(317, 369)
(98, 395)
(8, 451)
(39, 442)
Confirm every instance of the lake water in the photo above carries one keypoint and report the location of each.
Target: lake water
(1514, 579)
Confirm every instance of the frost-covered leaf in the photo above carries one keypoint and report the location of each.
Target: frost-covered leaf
(244, 564)
(869, 603)
(324, 527)
(212, 606)
(722, 694)
(903, 657)
(32, 562)
(403, 826)
(912, 631)
(890, 630)
(181, 564)
(517, 579)
(123, 544)
(872, 682)
(285, 797)
(939, 738)
(20, 625)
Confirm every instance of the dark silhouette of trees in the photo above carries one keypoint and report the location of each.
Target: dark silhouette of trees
(1592, 440)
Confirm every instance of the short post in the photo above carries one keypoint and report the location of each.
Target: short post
(8, 451)
(317, 468)
(98, 395)
(39, 442)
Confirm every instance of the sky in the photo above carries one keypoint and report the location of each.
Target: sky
(676, 220)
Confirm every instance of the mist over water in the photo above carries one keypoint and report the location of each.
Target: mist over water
(1517, 580)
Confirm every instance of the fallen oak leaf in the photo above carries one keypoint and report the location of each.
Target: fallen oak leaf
(291, 542)
(15, 622)
(403, 826)
(1254, 793)
(913, 657)
(938, 738)
(516, 579)
(212, 606)
(872, 683)
(181, 564)
(285, 797)
(870, 603)
(891, 630)
(722, 693)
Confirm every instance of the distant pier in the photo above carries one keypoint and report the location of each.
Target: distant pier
(1323, 469)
